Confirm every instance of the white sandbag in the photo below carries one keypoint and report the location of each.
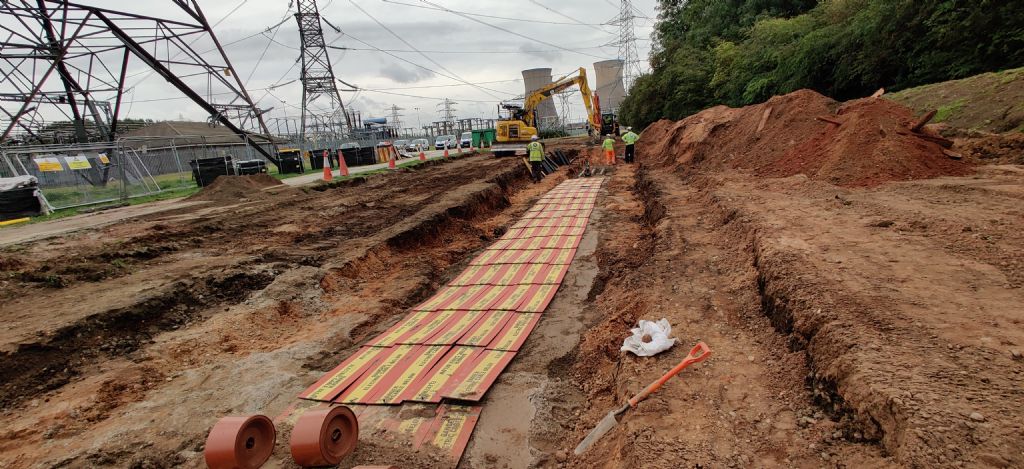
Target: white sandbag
(16, 182)
(658, 332)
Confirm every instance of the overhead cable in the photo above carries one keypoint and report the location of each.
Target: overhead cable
(510, 31)
(425, 56)
(507, 18)
(563, 15)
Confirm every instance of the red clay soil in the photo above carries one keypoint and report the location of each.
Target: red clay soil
(986, 148)
(784, 137)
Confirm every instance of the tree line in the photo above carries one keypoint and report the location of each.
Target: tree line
(739, 52)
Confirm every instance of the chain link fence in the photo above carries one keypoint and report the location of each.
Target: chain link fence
(86, 174)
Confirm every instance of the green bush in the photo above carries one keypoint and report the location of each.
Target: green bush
(736, 52)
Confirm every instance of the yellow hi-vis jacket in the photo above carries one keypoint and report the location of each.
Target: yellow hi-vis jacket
(609, 144)
(630, 138)
(536, 151)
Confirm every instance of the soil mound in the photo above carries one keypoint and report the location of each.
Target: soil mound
(237, 188)
(1005, 148)
(869, 143)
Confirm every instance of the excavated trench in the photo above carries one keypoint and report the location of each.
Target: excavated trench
(53, 362)
(781, 301)
(785, 301)
(401, 262)
(58, 358)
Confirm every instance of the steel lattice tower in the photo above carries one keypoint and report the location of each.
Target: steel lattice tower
(69, 60)
(317, 75)
(627, 43)
(447, 111)
(396, 118)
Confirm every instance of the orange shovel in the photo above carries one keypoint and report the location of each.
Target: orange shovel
(698, 353)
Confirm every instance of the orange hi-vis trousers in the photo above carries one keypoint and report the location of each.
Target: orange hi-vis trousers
(609, 157)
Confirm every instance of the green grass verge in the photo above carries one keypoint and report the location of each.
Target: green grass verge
(948, 110)
(173, 186)
(172, 193)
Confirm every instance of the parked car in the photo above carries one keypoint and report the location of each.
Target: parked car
(444, 141)
(466, 140)
(418, 144)
(400, 144)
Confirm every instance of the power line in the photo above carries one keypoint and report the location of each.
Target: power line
(429, 97)
(563, 15)
(425, 56)
(443, 86)
(218, 22)
(510, 31)
(412, 63)
(264, 54)
(507, 18)
(468, 51)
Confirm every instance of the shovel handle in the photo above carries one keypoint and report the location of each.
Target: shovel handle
(697, 354)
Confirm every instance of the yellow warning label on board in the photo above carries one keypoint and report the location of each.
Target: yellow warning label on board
(48, 164)
(448, 434)
(104, 159)
(329, 388)
(78, 161)
(448, 366)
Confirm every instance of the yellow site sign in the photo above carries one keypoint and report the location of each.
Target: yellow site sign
(48, 164)
(78, 162)
(104, 159)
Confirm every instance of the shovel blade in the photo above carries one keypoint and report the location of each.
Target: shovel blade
(607, 423)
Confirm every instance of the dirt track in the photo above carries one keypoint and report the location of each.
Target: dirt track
(852, 327)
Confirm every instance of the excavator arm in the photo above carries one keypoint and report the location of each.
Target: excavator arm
(539, 95)
(514, 131)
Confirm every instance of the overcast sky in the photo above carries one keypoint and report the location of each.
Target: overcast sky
(437, 33)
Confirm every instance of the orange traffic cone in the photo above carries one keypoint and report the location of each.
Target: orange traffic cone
(423, 156)
(391, 161)
(327, 168)
(446, 151)
(341, 163)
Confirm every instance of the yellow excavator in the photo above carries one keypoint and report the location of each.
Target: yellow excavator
(513, 131)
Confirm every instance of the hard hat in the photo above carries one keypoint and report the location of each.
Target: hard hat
(629, 128)
(534, 138)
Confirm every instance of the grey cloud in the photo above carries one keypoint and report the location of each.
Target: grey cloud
(404, 75)
(540, 51)
(426, 30)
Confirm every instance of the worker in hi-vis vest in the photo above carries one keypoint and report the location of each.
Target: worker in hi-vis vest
(609, 149)
(536, 150)
(630, 138)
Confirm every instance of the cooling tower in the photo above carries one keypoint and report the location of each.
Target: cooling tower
(609, 84)
(536, 78)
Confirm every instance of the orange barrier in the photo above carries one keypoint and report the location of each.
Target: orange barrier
(327, 168)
